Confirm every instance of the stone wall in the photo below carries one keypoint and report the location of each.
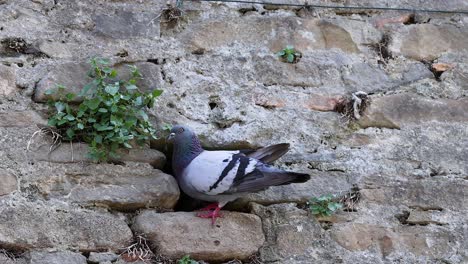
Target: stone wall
(404, 161)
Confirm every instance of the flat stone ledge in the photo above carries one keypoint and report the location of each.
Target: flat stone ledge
(78, 152)
(123, 188)
(21, 119)
(398, 110)
(36, 226)
(58, 257)
(73, 76)
(235, 235)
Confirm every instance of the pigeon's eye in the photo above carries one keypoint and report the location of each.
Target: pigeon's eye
(180, 130)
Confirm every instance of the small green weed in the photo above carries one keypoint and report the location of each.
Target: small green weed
(187, 260)
(111, 116)
(289, 54)
(324, 205)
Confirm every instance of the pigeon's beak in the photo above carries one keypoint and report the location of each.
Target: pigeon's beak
(171, 137)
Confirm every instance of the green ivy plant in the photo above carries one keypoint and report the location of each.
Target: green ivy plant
(324, 205)
(111, 116)
(187, 260)
(289, 54)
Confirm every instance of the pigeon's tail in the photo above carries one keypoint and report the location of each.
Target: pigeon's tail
(268, 154)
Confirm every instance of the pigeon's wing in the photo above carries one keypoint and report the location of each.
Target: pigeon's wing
(214, 172)
(228, 172)
(268, 154)
(264, 176)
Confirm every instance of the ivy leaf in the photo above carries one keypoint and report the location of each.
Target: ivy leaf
(59, 106)
(116, 121)
(70, 96)
(69, 117)
(107, 70)
(102, 110)
(156, 93)
(93, 104)
(112, 90)
(102, 61)
(50, 91)
(52, 122)
(113, 74)
(125, 97)
(281, 53)
(70, 133)
(143, 115)
(130, 121)
(98, 139)
(114, 108)
(86, 88)
(100, 127)
(290, 58)
(80, 126)
(62, 121)
(131, 86)
(138, 101)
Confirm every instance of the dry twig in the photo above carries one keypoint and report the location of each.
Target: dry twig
(138, 251)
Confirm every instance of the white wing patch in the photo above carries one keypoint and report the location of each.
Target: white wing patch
(205, 171)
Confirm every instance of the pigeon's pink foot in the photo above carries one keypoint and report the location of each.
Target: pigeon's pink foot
(213, 212)
(209, 207)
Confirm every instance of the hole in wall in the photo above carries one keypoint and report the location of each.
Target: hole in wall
(213, 105)
(199, 51)
(403, 217)
(381, 48)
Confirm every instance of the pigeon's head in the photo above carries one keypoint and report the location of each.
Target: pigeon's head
(180, 134)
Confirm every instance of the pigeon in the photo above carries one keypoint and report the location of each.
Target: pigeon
(224, 175)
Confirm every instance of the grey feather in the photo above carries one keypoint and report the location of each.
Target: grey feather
(269, 154)
(265, 176)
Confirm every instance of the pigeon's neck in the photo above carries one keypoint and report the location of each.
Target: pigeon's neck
(184, 153)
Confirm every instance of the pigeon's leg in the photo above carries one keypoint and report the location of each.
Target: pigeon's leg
(209, 207)
(213, 212)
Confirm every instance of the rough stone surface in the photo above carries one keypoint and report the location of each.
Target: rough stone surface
(78, 152)
(73, 76)
(95, 257)
(304, 34)
(48, 227)
(20, 119)
(125, 24)
(125, 188)
(452, 193)
(395, 111)
(294, 236)
(427, 41)
(235, 236)
(7, 81)
(419, 217)
(435, 242)
(9, 182)
(59, 257)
